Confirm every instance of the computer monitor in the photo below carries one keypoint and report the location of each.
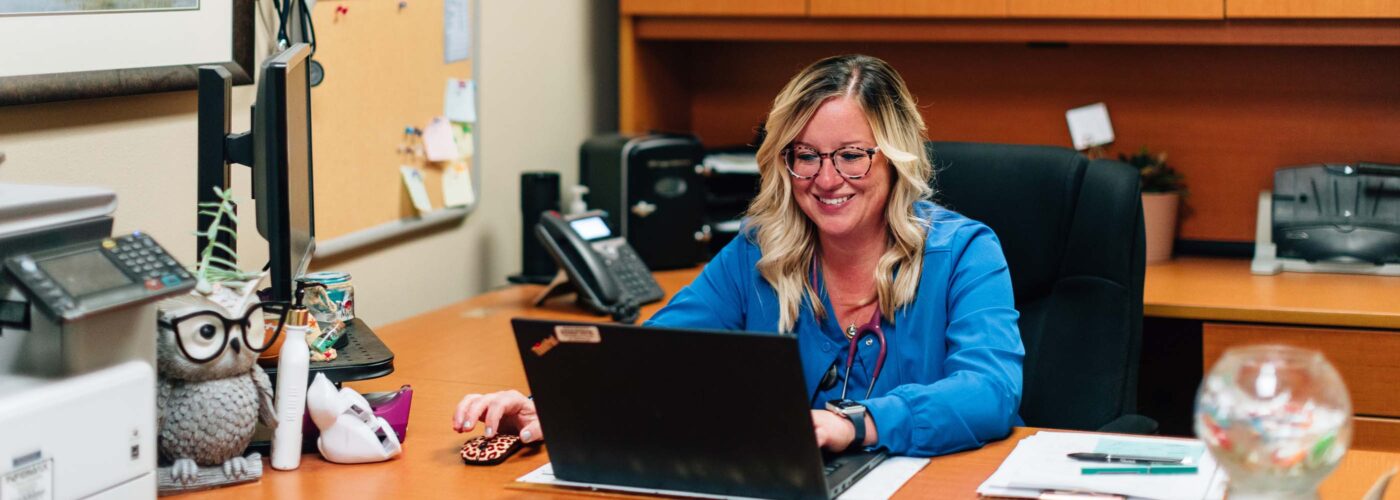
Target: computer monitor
(278, 148)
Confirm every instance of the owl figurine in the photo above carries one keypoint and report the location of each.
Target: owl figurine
(211, 391)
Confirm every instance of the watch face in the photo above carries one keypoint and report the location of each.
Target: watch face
(844, 405)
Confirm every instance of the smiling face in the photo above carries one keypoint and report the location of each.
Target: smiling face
(842, 208)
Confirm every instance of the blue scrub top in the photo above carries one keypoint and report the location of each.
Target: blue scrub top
(952, 374)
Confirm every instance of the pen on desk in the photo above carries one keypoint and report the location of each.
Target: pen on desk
(1158, 469)
(1122, 459)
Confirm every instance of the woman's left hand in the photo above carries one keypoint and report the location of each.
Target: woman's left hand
(834, 432)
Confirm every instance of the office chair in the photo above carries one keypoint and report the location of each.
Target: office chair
(1072, 232)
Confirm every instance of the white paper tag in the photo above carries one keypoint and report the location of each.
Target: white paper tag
(459, 101)
(1089, 126)
(457, 185)
(413, 180)
(31, 482)
(438, 143)
(577, 334)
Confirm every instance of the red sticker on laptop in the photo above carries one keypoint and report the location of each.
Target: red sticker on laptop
(577, 334)
(542, 347)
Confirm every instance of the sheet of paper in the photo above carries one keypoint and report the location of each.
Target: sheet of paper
(459, 101)
(438, 144)
(457, 188)
(882, 482)
(1039, 463)
(456, 30)
(1089, 126)
(462, 133)
(413, 181)
(886, 479)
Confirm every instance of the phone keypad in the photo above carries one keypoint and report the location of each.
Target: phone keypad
(632, 274)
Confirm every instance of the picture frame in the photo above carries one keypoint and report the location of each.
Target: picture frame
(55, 68)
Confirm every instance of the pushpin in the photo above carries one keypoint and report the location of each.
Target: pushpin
(403, 5)
(341, 10)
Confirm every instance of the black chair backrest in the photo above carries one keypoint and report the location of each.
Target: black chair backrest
(1072, 233)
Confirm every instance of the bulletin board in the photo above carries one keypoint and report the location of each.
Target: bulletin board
(385, 70)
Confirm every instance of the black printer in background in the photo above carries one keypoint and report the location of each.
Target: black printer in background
(1347, 213)
(653, 190)
(732, 177)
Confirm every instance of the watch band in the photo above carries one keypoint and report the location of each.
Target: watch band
(858, 420)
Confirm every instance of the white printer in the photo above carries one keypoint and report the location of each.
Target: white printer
(77, 346)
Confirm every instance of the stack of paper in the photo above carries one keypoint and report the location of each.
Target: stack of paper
(1040, 465)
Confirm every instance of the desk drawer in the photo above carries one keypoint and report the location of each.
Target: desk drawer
(1369, 360)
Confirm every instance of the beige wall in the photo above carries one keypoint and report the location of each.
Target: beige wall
(546, 82)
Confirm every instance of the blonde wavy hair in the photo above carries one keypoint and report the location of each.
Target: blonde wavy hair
(787, 237)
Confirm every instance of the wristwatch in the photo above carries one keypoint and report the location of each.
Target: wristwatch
(853, 411)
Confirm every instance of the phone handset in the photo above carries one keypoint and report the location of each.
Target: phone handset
(597, 288)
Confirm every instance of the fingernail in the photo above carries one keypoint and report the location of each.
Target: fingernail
(490, 432)
(466, 426)
(524, 435)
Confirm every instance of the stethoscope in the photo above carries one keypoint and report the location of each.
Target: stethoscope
(854, 334)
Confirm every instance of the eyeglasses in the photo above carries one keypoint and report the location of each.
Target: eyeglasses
(850, 161)
(203, 335)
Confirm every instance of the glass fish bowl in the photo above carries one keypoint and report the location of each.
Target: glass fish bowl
(1278, 419)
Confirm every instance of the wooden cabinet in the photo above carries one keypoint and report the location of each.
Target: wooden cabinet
(732, 8)
(1119, 9)
(1368, 360)
(908, 8)
(1378, 9)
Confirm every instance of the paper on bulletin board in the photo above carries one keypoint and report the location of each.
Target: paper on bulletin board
(438, 143)
(413, 181)
(462, 134)
(456, 31)
(459, 101)
(457, 185)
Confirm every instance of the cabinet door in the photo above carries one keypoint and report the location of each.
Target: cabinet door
(734, 8)
(908, 8)
(1313, 8)
(1120, 9)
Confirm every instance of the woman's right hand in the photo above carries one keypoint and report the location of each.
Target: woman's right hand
(504, 411)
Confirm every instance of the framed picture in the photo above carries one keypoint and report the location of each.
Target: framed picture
(58, 50)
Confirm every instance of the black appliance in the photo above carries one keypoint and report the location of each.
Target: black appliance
(1338, 213)
(653, 191)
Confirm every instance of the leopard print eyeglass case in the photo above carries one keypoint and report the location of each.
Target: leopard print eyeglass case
(482, 450)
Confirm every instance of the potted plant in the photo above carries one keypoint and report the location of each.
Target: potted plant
(1162, 189)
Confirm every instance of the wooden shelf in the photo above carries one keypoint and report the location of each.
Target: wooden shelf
(1360, 33)
(1225, 290)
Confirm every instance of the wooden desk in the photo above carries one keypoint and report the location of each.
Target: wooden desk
(1353, 320)
(468, 347)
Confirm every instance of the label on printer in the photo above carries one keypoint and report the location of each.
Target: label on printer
(31, 482)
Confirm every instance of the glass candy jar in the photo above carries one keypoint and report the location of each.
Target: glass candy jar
(1277, 418)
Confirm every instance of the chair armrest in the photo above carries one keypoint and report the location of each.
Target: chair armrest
(1131, 424)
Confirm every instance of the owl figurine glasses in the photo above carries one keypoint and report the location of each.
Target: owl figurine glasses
(203, 335)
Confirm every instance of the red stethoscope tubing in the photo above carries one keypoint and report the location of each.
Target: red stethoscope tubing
(871, 326)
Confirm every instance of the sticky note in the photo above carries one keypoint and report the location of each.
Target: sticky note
(457, 188)
(1089, 126)
(456, 31)
(459, 100)
(462, 133)
(413, 181)
(438, 143)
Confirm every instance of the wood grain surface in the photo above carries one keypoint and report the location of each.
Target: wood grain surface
(468, 347)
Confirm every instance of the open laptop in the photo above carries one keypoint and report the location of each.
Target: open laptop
(718, 413)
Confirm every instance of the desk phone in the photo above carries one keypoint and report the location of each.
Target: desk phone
(75, 281)
(607, 272)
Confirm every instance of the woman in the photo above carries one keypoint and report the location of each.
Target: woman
(842, 242)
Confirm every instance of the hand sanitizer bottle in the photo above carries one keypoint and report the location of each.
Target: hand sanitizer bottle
(293, 364)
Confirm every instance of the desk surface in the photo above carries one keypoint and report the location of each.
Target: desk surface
(1224, 290)
(467, 347)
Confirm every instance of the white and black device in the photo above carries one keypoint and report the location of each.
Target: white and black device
(853, 411)
(76, 281)
(609, 275)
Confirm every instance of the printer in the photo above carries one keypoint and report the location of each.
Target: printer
(1337, 218)
(77, 346)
